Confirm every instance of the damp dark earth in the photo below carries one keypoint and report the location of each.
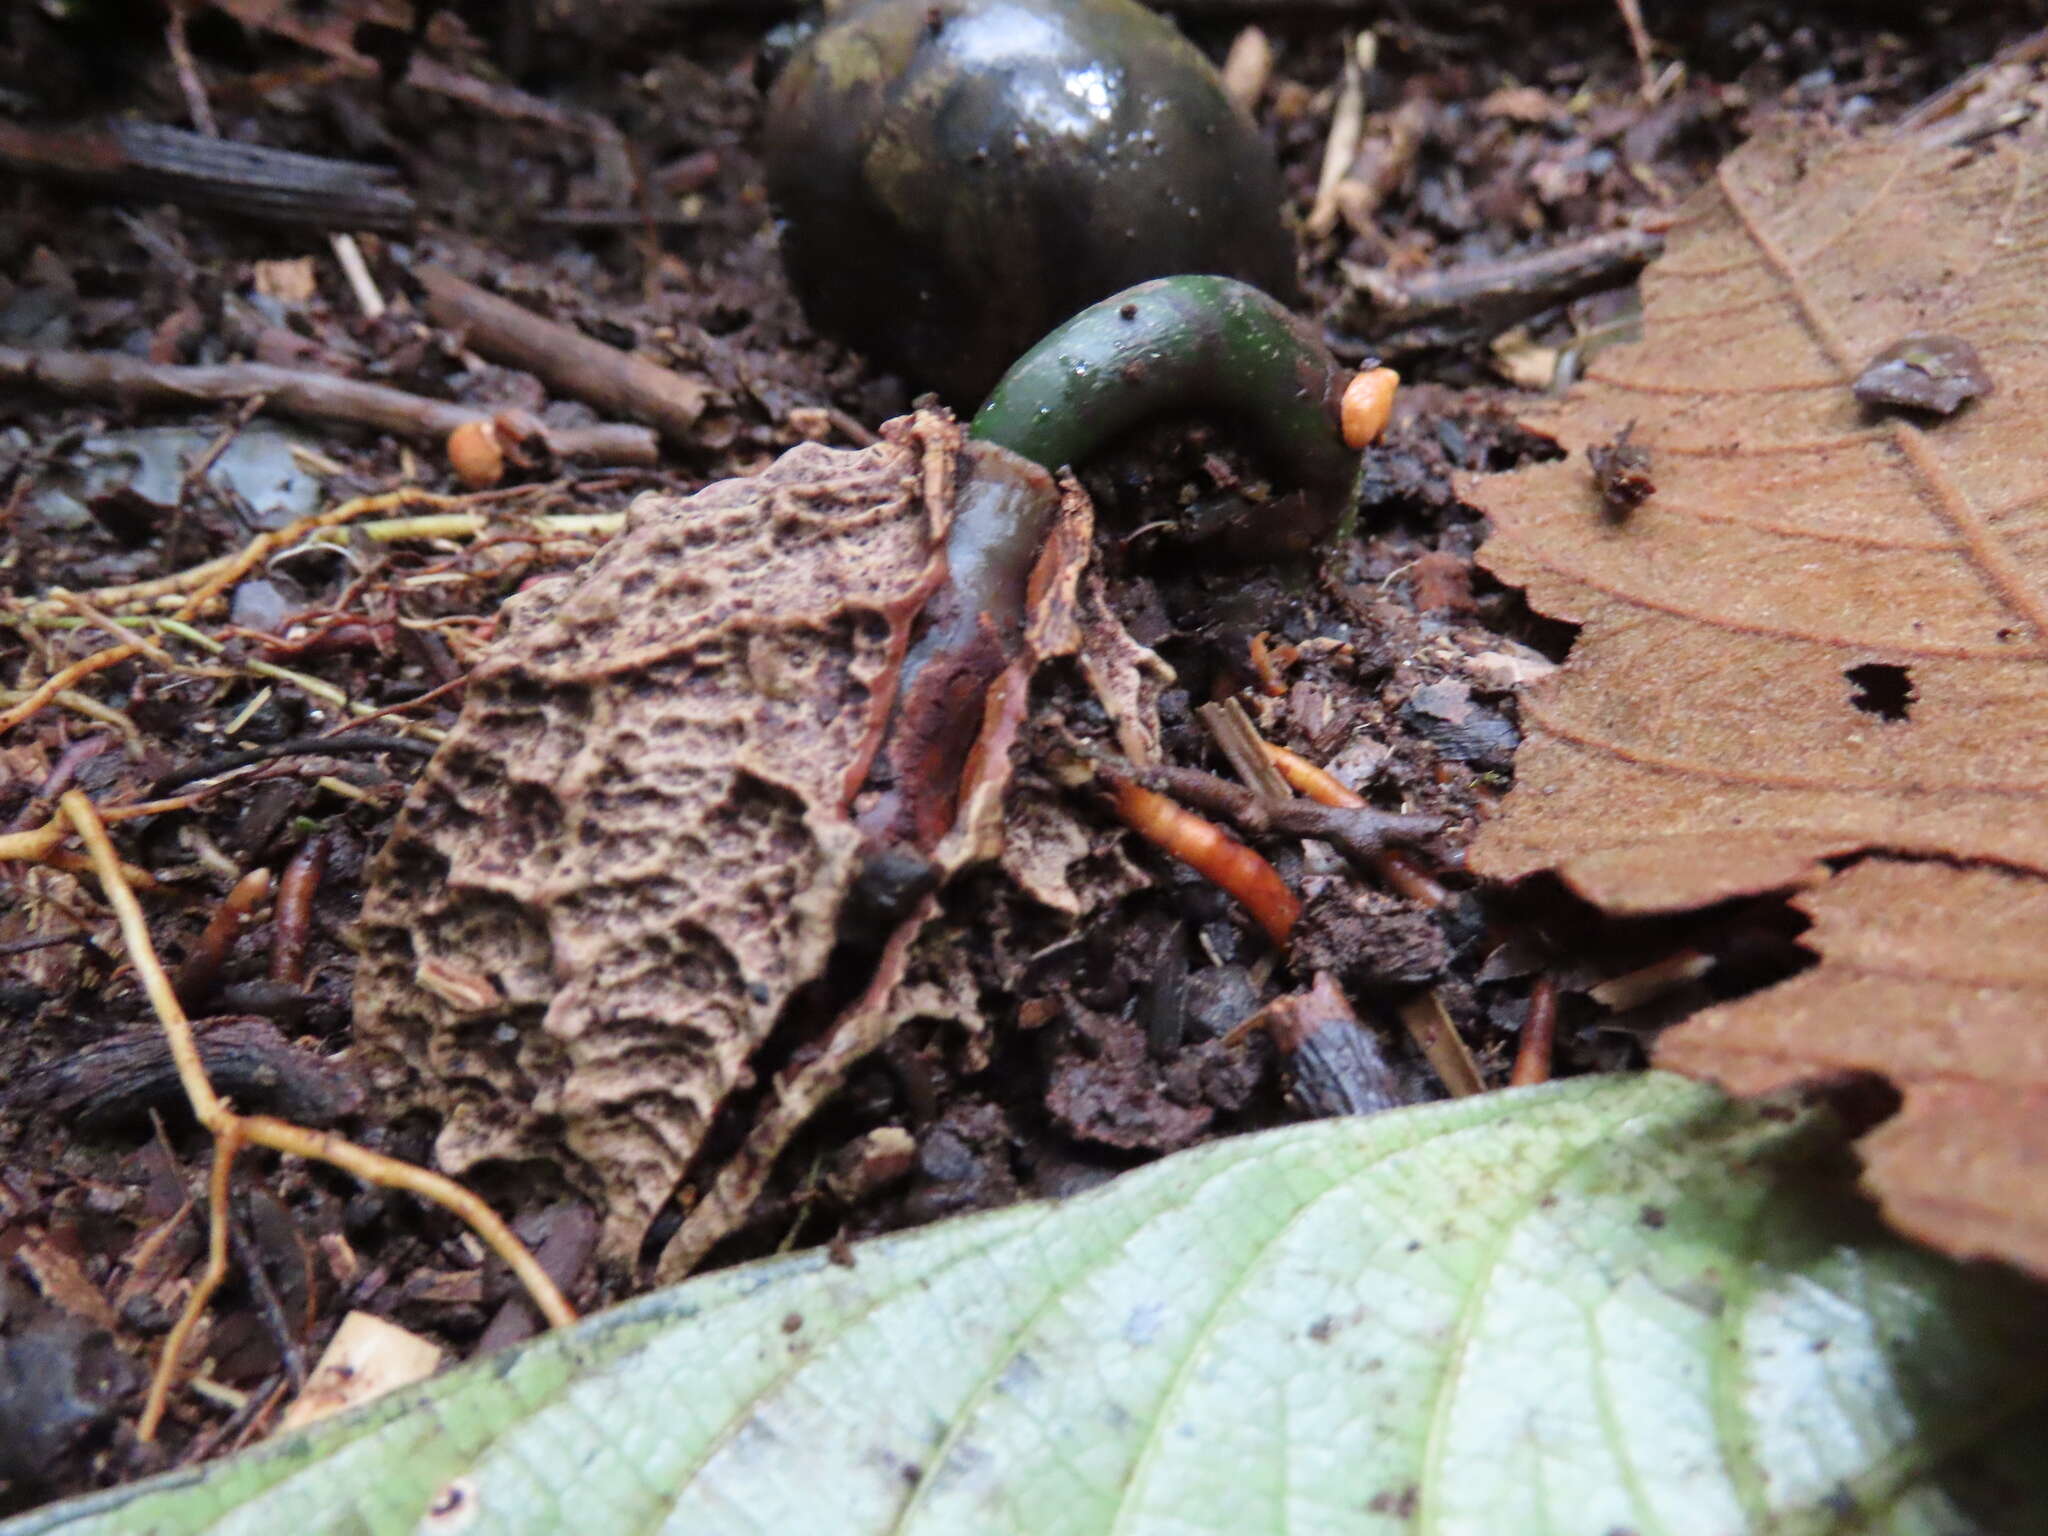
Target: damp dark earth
(517, 624)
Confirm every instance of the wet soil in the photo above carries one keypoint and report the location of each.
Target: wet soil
(1386, 655)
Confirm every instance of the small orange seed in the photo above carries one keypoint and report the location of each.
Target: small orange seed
(476, 454)
(1368, 403)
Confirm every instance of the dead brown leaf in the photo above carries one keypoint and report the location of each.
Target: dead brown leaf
(1822, 637)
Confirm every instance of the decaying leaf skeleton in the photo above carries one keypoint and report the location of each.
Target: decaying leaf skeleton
(630, 860)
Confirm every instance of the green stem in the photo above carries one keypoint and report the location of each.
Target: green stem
(1209, 344)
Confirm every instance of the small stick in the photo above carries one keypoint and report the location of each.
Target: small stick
(1639, 39)
(1347, 128)
(1429, 1026)
(564, 358)
(349, 256)
(1539, 1035)
(196, 977)
(249, 757)
(202, 466)
(1325, 788)
(50, 941)
(196, 105)
(294, 916)
(428, 697)
(1206, 848)
(1241, 744)
(309, 395)
(1483, 298)
(268, 1304)
(1359, 832)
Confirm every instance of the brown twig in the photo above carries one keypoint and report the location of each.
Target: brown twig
(293, 919)
(48, 941)
(1359, 832)
(269, 1306)
(202, 466)
(196, 104)
(1539, 1035)
(309, 395)
(1478, 300)
(229, 1129)
(429, 697)
(196, 977)
(1429, 1025)
(334, 746)
(1639, 40)
(1325, 788)
(169, 164)
(563, 358)
(1206, 848)
(1245, 749)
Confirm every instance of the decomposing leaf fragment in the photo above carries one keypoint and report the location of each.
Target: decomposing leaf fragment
(1824, 640)
(1924, 373)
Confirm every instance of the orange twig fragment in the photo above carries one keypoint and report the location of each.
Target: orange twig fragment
(1205, 847)
(230, 1130)
(1325, 788)
(1539, 1036)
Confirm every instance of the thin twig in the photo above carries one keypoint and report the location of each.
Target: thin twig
(202, 466)
(268, 1304)
(249, 757)
(349, 256)
(1347, 128)
(1429, 1025)
(1325, 788)
(304, 393)
(1639, 40)
(196, 105)
(568, 361)
(1240, 742)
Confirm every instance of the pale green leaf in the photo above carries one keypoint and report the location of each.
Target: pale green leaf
(1610, 1305)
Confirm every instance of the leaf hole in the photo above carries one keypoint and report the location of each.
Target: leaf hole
(1882, 689)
